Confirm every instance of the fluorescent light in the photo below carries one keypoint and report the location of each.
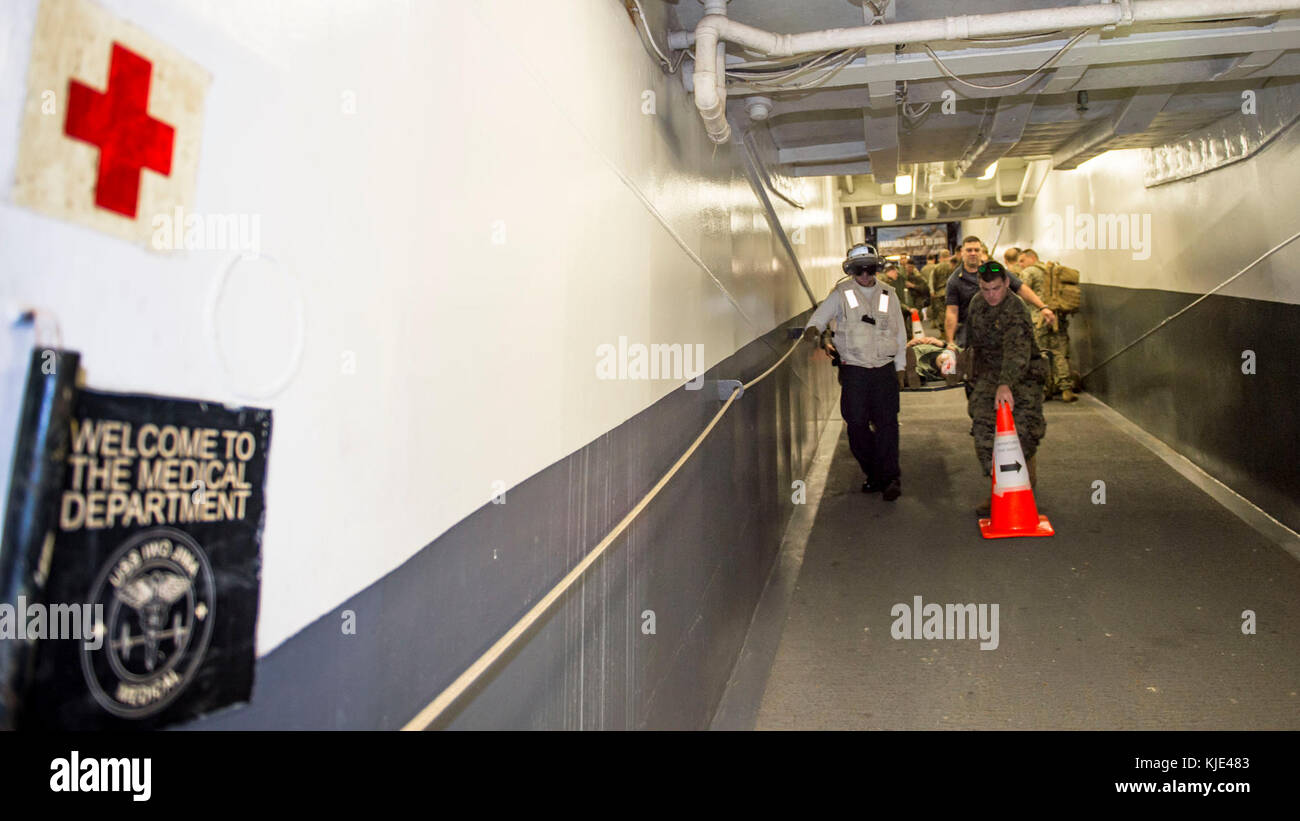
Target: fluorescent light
(903, 185)
(888, 212)
(989, 172)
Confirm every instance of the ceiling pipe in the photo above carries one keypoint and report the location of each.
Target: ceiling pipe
(916, 183)
(993, 246)
(715, 28)
(758, 108)
(710, 72)
(1027, 21)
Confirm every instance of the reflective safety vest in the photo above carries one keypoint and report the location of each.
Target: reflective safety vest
(869, 328)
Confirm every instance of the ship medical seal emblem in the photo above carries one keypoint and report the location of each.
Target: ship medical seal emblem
(158, 598)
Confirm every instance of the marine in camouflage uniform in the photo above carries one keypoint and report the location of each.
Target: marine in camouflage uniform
(927, 270)
(896, 279)
(1055, 341)
(938, 288)
(918, 289)
(1005, 353)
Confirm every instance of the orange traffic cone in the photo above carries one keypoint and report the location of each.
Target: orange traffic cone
(1013, 510)
(916, 323)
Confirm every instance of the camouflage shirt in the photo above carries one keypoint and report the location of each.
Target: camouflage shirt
(939, 279)
(919, 287)
(1002, 337)
(1036, 278)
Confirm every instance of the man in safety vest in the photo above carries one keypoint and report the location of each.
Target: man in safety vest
(870, 340)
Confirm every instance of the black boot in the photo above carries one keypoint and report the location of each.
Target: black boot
(910, 377)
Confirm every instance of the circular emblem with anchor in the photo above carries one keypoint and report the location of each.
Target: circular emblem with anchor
(158, 599)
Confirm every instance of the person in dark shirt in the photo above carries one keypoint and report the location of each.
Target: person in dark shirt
(964, 284)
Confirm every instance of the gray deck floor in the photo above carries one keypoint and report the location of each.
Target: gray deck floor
(1129, 618)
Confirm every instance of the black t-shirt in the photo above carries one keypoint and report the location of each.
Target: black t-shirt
(962, 286)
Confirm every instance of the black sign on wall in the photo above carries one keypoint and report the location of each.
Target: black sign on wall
(157, 557)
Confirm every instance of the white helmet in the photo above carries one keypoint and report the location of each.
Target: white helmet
(861, 257)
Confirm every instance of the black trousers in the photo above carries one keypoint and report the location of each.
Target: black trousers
(869, 405)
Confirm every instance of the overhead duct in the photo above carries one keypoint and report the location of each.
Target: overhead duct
(1020, 195)
(715, 29)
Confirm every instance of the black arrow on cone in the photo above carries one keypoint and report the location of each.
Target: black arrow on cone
(1012, 467)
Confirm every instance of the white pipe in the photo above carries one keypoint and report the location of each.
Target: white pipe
(916, 183)
(965, 26)
(720, 76)
(715, 27)
(993, 246)
(1044, 166)
(710, 82)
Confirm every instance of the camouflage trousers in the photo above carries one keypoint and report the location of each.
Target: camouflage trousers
(1028, 416)
(1056, 343)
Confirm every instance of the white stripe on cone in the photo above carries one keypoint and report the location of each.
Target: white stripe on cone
(1006, 454)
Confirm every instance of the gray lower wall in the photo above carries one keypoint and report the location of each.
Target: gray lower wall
(698, 556)
(1185, 384)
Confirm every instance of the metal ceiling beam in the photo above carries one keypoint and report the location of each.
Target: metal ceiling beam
(1064, 79)
(1248, 64)
(836, 98)
(1106, 78)
(831, 169)
(1072, 67)
(880, 120)
(1130, 75)
(1010, 60)
(966, 188)
(827, 152)
(965, 212)
(882, 144)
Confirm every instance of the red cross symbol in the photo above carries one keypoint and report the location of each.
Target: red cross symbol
(117, 121)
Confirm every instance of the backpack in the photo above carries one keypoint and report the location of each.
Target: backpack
(1063, 287)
